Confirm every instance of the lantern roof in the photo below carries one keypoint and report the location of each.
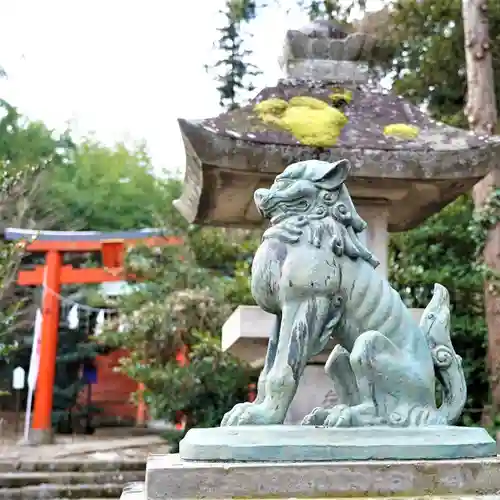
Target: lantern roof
(326, 108)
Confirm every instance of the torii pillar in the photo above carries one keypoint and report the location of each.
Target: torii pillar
(53, 274)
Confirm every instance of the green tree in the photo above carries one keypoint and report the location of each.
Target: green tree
(110, 189)
(76, 347)
(234, 73)
(29, 151)
(427, 55)
(104, 189)
(179, 304)
(431, 253)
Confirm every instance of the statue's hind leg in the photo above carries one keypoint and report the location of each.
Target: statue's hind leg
(338, 368)
(389, 383)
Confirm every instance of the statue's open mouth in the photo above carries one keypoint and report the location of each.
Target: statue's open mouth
(268, 202)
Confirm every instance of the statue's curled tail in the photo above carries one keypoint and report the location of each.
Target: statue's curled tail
(435, 323)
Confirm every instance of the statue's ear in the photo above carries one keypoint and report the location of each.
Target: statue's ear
(331, 175)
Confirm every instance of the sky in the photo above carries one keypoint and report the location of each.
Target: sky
(125, 70)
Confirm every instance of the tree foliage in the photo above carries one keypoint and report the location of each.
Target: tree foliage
(180, 305)
(234, 71)
(432, 253)
(29, 151)
(427, 56)
(76, 348)
(109, 189)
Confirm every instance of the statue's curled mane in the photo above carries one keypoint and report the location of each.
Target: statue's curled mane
(332, 220)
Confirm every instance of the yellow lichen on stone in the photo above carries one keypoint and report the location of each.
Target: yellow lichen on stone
(311, 121)
(340, 95)
(308, 102)
(273, 106)
(401, 131)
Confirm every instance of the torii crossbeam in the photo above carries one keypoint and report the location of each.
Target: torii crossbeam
(54, 244)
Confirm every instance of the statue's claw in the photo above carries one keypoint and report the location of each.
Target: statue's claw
(344, 416)
(251, 414)
(316, 417)
(233, 415)
(339, 416)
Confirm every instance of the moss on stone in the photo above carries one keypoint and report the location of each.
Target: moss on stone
(401, 131)
(311, 121)
(307, 102)
(272, 106)
(339, 96)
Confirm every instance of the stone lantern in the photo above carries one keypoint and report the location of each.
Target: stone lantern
(405, 166)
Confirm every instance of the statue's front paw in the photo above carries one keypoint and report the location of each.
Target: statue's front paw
(251, 414)
(361, 415)
(233, 415)
(339, 416)
(316, 417)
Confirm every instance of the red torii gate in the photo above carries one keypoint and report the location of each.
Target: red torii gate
(54, 244)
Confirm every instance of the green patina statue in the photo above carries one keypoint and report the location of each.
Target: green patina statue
(314, 273)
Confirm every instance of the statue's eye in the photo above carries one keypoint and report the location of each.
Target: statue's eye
(281, 185)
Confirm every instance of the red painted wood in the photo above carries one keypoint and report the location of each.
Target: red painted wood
(44, 392)
(113, 391)
(110, 385)
(70, 275)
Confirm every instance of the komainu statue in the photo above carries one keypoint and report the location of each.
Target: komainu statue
(314, 273)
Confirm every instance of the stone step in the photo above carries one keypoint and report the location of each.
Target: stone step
(21, 479)
(73, 465)
(134, 491)
(59, 491)
(137, 491)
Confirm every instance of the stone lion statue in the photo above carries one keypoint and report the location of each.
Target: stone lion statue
(314, 273)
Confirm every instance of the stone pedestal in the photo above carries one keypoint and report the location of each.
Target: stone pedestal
(168, 477)
(295, 443)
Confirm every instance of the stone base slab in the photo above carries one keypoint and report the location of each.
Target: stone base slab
(137, 491)
(284, 443)
(170, 477)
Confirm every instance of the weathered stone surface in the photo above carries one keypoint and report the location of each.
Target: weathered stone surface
(169, 477)
(416, 177)
(291, 443)
(368, 112)
(342, 71)
(57, 491)
(22, 479)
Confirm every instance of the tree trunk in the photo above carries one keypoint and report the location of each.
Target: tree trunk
(481, 113)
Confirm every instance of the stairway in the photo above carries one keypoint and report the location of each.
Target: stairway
(134, 491)
(84, 479)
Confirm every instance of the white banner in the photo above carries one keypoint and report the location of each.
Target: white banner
(35, 351)
(33, 371)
